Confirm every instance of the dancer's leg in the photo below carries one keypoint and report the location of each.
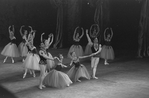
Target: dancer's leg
(5, 59)
(96, 61)
(25, 73)
(12, 59)
(106, 62)
(42, 75)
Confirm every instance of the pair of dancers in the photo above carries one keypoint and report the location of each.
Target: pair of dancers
(55, 77)
(107, 52)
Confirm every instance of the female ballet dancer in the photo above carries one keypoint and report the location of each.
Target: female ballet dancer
(48, 43)
(11, 49)
(107, 52)
(60, 64)
(23, 45)
(54, 78)
(76, 47)
(78, 70)
(31, 62)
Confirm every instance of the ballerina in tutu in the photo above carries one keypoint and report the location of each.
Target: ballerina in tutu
(76, 47)
(60, 64)
(23, 45)
(54, 78)
(107, 52)
(78, 70)
(31, 62)
(95, 29)
(11, 49)
(48, 43)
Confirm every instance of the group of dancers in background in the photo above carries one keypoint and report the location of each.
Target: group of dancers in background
(50, 70)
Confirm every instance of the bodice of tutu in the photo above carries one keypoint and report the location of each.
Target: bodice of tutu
(13, 41)
(77, 64)
(33, 50)
(107, 43)
(23, 40)
(76, 43)
(42, 59)
(94, 51)
(58, 67)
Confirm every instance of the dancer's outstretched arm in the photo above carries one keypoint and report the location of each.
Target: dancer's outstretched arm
(111, 34)
(44, 55)
(41, 37)
(21, 30)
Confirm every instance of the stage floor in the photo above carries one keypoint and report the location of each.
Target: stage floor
(125, 77)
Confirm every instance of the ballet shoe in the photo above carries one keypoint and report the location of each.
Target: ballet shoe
(79, 80)
(34, 75)
(24, 76)
(106, 63)
(94, 77)
(12, 61)
(40, 87)
(23, 60)
(4, 61)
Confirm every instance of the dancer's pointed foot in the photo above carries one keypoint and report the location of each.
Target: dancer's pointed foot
(106, 63)
(34, 75)
(4, 61)
(24, 76)
(12, 61)
(94, 77)
(79, 80)
(22, 60)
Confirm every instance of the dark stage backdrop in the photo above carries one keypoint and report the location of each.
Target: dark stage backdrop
(42, 16)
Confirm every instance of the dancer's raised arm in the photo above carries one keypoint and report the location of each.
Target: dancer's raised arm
(41, 38)
(82, 33)
(50, 39)
(21, 30)
(88, 38)
(111, 34)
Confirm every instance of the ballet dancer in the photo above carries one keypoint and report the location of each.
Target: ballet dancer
(31, 62)
(23, 45)
(76, 46)
(11, 49)
(107, 52)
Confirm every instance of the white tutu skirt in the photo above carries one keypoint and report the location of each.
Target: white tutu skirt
(88, 49)
(76, 73)
(77, 49)
(32, 61)
(107, 52)
(23, 49)
(57, 79)
(10, 50)
(50, 63)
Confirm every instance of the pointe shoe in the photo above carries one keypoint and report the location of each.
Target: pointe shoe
(40, 87)
(106, 63)
(23, 60)
(95, 77)
(43, 86)
(12, 61)
(24, 76)
(34, 75)
(79, 80)
(4, 61)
